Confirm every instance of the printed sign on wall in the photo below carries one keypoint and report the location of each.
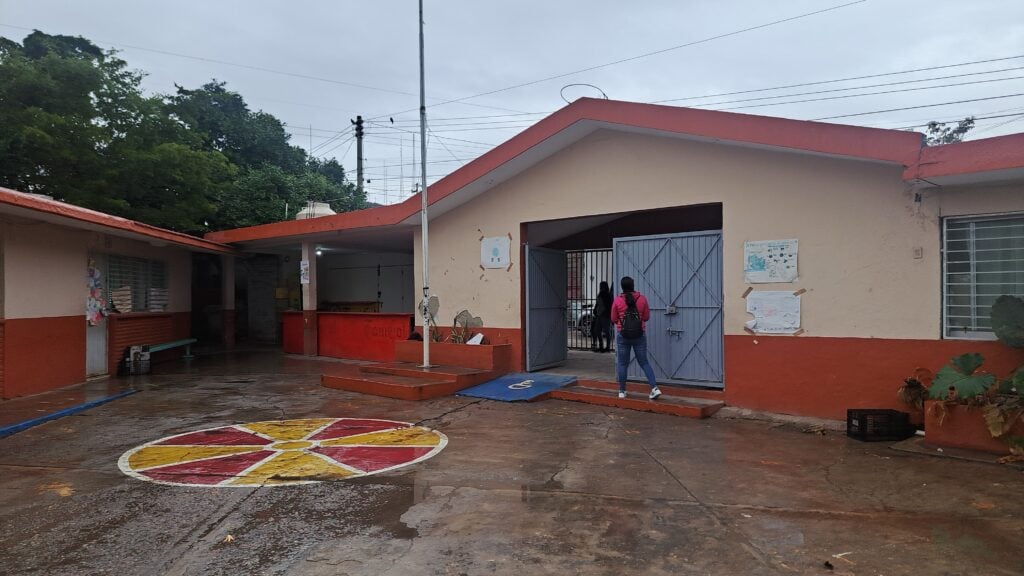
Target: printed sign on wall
(494, 251)
(304, 271)
(768, 261)
(773, 312)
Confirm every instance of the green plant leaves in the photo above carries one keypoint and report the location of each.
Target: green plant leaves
(1008, 320)
(966, 364)
(966, 385)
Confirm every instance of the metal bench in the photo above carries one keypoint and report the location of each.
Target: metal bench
(186, 342)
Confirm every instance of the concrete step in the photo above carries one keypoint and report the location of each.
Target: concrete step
(465, 376)
(391, 386)
(675, 405)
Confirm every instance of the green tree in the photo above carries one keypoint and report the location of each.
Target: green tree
(940, 133)
(75, 124)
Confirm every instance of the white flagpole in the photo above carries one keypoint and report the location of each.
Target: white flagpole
(423, 196)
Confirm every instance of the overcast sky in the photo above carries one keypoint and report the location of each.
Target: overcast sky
(477, 46)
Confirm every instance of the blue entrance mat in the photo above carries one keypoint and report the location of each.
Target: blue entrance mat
(518, 387)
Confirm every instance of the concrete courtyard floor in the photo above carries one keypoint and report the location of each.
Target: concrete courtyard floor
(550, 487)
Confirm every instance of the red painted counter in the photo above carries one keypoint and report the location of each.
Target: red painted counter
(360, 336)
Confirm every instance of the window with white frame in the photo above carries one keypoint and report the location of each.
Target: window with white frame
(136, 284)
(983, 259)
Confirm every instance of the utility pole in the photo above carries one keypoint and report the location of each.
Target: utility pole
(359, 153)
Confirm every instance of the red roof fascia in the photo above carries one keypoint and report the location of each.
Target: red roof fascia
(986, 155)
(852, 141)
(53, 207)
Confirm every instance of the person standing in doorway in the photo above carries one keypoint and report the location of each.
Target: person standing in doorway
(630, 313)
(601, 324)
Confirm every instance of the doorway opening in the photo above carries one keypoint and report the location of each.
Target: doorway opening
(674, 256)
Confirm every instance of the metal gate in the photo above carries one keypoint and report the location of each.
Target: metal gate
(681, 276)
(586, 270)
(545, 308)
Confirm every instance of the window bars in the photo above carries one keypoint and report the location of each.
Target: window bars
(983, 259)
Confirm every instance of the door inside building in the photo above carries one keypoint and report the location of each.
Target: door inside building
(96, 321)
(546, 303)
(681, 276)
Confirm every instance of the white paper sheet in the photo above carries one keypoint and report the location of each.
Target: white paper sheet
(766, 261)
(774, 312)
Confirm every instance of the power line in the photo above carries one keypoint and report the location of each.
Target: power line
(836, 80)
(859, 87)
(637, 57)
(122, 45)
(870, 93)
(917, 107)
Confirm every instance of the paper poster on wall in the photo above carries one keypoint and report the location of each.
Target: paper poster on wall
(304, 271)
(494, 251)
(774, 312)
(767, 261)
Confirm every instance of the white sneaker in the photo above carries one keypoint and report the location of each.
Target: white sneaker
(654, 393)
(622, 394)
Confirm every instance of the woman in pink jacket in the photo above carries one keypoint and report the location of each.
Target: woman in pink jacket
(630, 313)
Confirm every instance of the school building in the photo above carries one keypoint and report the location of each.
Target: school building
(792, 266)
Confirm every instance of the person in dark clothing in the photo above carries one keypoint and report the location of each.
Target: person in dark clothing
(601, 323)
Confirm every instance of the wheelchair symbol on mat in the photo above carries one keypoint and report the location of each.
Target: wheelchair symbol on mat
(521, 385)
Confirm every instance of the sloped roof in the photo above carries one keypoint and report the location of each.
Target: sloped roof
(575, 121)
(63, 214)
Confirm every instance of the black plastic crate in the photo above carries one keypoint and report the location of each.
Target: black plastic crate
(878, 425)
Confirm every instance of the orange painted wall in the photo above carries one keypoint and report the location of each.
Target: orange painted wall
(2, 359)
(291, 327)
(42, 354)
(124, 330)
(823, 377)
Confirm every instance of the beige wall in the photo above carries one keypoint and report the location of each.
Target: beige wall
(44, 268)
(977, 200)
(857, 223)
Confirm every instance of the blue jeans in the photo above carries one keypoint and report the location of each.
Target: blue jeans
(639, 347)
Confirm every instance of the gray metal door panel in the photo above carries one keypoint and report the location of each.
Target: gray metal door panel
(546, 301)
(680, 273)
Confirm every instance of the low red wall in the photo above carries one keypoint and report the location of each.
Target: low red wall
(140, 328)
(42, 354)
(360, 336)
(512, 336)
(291, 332)
(2, 359)
(822, 377)
(491, 357)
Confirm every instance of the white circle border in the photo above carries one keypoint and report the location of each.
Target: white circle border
(122, 462)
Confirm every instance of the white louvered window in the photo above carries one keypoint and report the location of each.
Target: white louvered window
(983, 259)
(136, 284)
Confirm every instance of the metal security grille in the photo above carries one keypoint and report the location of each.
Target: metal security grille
(983, 259)
(136, 284)
(586, 270)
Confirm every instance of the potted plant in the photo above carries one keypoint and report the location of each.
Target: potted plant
(968, 407)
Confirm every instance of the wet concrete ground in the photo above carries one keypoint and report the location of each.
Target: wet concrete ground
(544, 488)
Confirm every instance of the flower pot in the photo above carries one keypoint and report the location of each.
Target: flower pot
(964, 427)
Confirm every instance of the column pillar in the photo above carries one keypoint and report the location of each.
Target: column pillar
(307, 273)
(227, 298)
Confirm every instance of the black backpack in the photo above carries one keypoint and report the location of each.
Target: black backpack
(632, 325)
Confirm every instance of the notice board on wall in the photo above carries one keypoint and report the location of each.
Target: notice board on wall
(773, 312)
(494, 251)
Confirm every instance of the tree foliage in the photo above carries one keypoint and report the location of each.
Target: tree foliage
(75, 124)
(941, 133)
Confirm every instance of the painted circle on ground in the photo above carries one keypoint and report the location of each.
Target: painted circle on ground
(282, 452)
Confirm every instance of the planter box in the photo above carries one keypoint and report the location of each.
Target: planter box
(964, 427)
(490, 357)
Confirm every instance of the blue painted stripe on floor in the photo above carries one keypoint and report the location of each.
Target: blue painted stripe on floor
(26, 424)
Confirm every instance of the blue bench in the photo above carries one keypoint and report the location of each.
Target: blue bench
(186, 342)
